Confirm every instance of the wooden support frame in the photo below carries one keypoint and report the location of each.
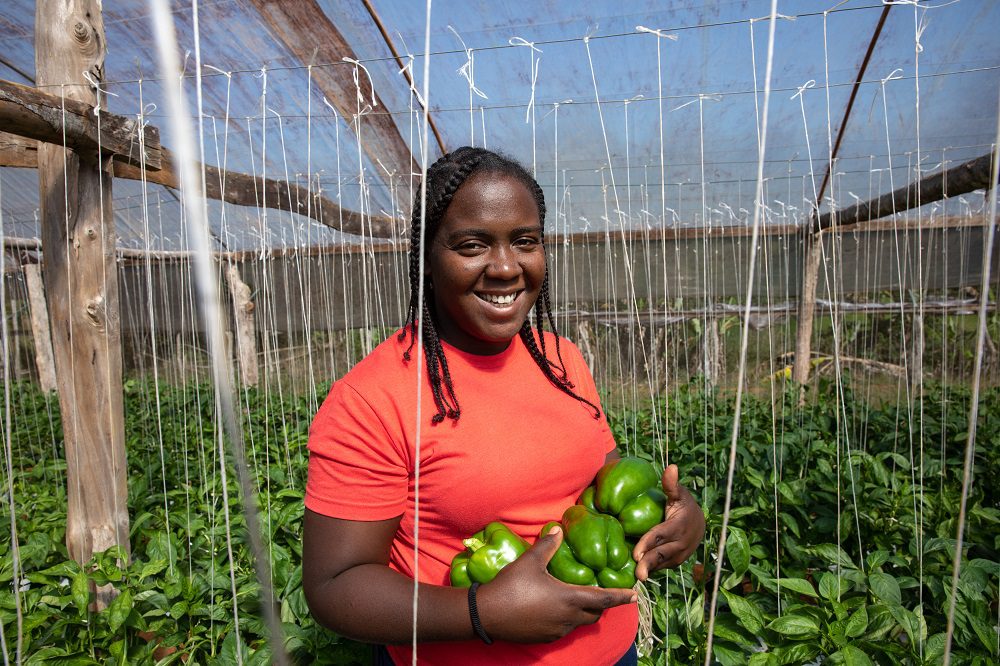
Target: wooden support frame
(65, 120)
(81, 284)
(230, 186)
(962, 179)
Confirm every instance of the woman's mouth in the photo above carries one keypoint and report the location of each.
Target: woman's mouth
(499, 300)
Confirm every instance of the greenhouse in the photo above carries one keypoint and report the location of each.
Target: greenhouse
(240, 247)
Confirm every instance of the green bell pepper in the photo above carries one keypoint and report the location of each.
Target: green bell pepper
(628, 488)
(593, 551)
(486, 553)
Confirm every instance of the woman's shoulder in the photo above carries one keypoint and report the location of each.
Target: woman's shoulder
(383, 364)
(566, 346)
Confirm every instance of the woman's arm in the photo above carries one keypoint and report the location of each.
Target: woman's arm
(351, 589)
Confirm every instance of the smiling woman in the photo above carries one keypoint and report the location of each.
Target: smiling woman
(484, 272)
(486, 264)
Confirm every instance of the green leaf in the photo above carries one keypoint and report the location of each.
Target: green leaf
(795, 625)
(119, 610)
(762, 659)
(831, 587)
(727, 656)
(877, 559)
(796, 653)
(152, 568)
(746, 611)
(831, 553)
(857, 623)
(880, 622)
(885, 587)
(852, 656)
(908, 621)
(934, 647)
(80, 589)
(987, 634)
(798, 585)
(727, 628)
(738, 550)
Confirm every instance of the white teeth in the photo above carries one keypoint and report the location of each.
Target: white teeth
(498, 300)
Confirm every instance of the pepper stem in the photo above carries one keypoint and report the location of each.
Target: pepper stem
(473, 544)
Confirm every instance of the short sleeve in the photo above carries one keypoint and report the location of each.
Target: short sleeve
(357, 470)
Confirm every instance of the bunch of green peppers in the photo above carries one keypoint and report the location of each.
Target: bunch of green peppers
(625, 501)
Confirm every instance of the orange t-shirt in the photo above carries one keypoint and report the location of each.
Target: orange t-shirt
(521, 453)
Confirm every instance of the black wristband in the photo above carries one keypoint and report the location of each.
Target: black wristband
(474, 616)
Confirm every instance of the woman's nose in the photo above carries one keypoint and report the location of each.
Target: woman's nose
(503, 265)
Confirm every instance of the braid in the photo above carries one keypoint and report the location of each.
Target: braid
(443, 180)
(436, 366)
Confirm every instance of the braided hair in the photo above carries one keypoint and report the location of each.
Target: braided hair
(444, 178)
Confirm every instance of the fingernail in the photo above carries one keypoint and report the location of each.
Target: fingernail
(555, 530)
(634, 598)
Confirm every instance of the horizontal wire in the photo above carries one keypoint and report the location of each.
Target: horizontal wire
(493, 47)
(563, 102)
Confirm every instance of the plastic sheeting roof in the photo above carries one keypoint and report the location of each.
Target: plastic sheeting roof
(705, 81)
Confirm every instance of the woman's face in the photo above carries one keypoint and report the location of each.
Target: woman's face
(486, 263)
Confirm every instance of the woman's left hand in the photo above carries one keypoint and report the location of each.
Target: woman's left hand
(672, 541)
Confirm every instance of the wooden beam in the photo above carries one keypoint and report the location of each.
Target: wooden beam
(240, 189)
(81, 289)
(63, 119)
(968, 177)
(304, 29)
(245, 190)
(16, 151)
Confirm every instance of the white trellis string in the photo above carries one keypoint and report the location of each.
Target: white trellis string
(208, 299)
(468, 72)
(529, 114)
(970, 442)
(758, 200)
(357, 83)
(659, 34)
(420, 331)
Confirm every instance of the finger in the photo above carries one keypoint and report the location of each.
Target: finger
(547, 546)
(671, 484)
(600, 599)
(664, 557)
(660, 534)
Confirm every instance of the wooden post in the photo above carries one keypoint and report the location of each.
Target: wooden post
(812, 252)
(81, 285)
(40, 328)
(246, 340)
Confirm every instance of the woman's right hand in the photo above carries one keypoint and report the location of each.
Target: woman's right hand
(525, 604)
